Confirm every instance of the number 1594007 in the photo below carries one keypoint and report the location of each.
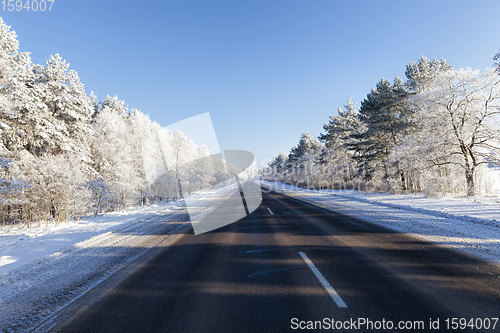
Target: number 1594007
(27, 5)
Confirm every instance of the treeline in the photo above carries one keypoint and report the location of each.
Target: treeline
(63, 153)
(437, 132)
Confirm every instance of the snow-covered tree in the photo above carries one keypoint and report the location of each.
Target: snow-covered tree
(496, 58)
(102, 197)
(22, 115)
(336, 161)
(70, 109)
(145, 152)
(301, 161)
(56, 190)
(459, 123)
(63, 153)
(421, 73)
(277, 168)
(11, 184)
(112, 153)
(364, 149)
(387, 117)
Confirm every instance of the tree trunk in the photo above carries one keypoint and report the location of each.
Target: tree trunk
(181, 195)
(403, 181)
(469, 169)
(469, 176)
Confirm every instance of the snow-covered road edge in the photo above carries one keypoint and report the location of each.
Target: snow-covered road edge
(54, 266)
(467, 230)
(32, 292)
(97, 290)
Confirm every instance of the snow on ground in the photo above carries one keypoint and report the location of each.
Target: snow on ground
(494, 178)
(44, 268)
(20, 245)
(471, 225)
(48, 267)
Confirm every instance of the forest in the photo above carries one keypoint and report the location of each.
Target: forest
(64, 154)
(437, 132)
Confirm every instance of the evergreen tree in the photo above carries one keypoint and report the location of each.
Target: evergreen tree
(69, 106)
(302, 158)
(496, 58)
(387, 118)
(306, 144)
(337, 164)
(277, 166)
(421, 73)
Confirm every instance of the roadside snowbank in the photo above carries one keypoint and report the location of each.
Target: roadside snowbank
(471, 225)
(20, 245)
(45, 268)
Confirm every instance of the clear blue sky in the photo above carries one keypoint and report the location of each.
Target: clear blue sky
(267, 70)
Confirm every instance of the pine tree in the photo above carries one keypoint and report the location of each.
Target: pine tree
(387, 118)
(306, 144)
(70, 109)
(420, 74)
(337, 164)
(276, 169)
(302, 158)
(496, 58)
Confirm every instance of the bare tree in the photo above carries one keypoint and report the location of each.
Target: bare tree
(459, 115)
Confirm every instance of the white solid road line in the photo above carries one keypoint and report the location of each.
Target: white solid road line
(332, 292)
(270, 211)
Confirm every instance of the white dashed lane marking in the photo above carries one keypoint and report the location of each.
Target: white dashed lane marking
(332, 292)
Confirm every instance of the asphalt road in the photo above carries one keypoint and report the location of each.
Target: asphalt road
(287, 260)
